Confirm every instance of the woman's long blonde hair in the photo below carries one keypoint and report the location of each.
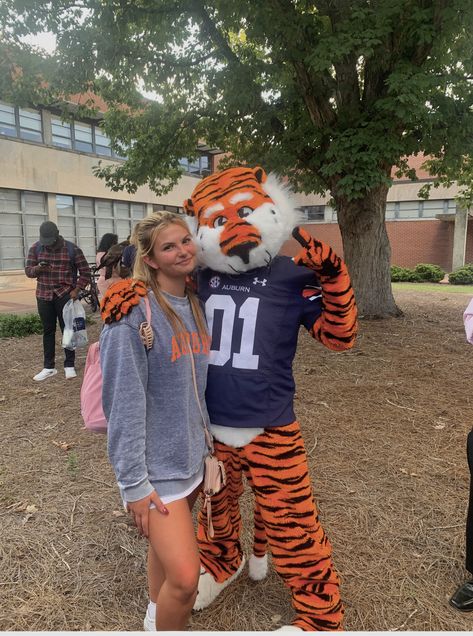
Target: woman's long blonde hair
(145, 233)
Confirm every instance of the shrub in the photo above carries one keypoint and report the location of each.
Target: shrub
(404, 275)
(12, 325)
(462, 275)
(431, 273)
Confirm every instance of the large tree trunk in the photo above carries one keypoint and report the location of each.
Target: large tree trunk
(367, 252)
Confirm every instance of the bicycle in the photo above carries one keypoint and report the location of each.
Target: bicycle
(91, 293)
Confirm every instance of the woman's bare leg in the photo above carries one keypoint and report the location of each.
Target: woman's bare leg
(172, 540)
(155, 574)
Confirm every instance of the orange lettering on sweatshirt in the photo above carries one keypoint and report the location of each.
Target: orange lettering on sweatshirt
(195, 342)
(176, 352)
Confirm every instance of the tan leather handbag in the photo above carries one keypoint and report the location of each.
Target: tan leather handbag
(214, 470)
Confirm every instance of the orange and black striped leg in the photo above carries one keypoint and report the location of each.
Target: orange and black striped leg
(302, 554)
(260, 542)
(221, 556)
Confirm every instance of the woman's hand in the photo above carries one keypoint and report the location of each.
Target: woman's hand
(139, 510)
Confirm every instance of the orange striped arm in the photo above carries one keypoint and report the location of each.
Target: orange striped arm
(337, 325)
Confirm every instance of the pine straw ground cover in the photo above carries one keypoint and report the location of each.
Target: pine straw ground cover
(385, 428)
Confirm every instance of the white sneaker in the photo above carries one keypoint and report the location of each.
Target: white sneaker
(45, 373)
(70, 372)
(149, 623)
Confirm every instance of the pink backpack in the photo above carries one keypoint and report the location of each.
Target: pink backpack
(91, 389)
(91, 392)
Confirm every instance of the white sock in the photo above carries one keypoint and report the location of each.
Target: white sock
(152, 610)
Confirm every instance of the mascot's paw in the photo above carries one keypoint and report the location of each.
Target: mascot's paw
(258, 567)
(289, 628)
(316, 255)
(303, 237)
(209, 589)
(310, 254)
(120, 298)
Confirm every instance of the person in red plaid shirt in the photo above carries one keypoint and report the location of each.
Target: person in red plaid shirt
(62, 271)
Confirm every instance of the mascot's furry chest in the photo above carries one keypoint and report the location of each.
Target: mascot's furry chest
(254, 321)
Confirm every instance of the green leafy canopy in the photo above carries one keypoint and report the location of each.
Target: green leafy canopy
(330, 93)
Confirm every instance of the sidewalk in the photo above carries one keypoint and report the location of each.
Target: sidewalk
(17, 301)
(17, 294)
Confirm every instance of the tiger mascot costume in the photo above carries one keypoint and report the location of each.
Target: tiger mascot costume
(255, 303)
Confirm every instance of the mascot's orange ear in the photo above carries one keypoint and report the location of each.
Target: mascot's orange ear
(189, 207)
(260, 174)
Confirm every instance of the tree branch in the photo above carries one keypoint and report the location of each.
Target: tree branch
(316, 92)
(214, 34)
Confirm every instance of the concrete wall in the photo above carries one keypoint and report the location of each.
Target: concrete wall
(29, 166)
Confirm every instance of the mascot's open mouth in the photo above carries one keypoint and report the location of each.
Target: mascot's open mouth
(243, 250)
(267, 261)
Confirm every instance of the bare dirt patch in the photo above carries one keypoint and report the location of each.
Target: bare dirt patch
(385, 428)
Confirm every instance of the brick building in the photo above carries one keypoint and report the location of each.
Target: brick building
(419, 231)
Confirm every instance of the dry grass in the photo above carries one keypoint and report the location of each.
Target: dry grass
(385, 428)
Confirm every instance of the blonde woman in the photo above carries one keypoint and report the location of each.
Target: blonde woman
(156, 440)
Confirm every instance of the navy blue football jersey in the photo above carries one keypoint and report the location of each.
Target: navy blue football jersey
(254, 321)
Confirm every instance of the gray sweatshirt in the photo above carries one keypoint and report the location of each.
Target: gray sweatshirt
(155, 430)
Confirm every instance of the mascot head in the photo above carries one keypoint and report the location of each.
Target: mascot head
(242, 219)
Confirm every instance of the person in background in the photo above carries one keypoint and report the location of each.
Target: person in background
(112, 269)
(128, 256)
(463, 598)
(156, 438)
(62, 272)
(106, 242)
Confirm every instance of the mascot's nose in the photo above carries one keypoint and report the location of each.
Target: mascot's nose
(243, 250)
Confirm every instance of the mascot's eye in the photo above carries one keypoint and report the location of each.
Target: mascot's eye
(244, 211)
(219, 221)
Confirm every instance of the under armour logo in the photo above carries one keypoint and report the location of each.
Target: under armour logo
(214, 281)
(257, 281)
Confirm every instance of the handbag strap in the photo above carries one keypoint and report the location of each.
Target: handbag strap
(145, 330)
(147, 337)
(208, 436)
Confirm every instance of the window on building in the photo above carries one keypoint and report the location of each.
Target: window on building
(390, 210)
(137, 211)
(83, 137)
(104, 218)
(429, 209)
(170, 208)
(61, 133)
(66, 217)
(7, 120)
(85, 220)
(199, 167)
(20, 122)
(408, 210)
(102, 143)
(30, 124)
(21, 214)
(432, 207)
(312, 213)
(205, 165)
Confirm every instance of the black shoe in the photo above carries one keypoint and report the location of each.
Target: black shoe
(463, 598)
